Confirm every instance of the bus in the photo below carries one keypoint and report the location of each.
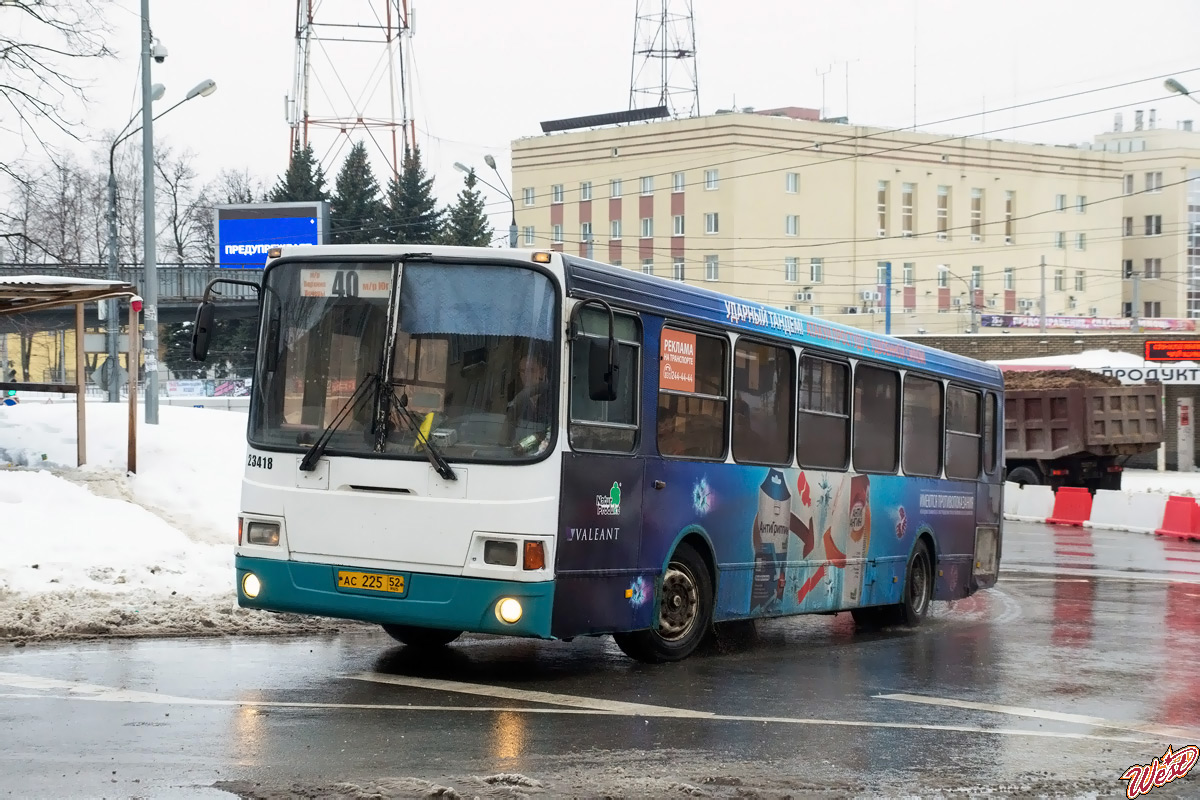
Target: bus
(446, 440)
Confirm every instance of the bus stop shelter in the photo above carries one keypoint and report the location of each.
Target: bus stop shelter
(20, 294)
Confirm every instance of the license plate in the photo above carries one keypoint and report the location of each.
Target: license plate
(370, 581)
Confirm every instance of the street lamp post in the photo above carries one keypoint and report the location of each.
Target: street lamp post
(112, 330)
(149, 231)
(1178, 88)
(491, 162)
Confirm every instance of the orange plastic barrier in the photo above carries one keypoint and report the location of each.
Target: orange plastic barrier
(1181, 519)
(1072, 506)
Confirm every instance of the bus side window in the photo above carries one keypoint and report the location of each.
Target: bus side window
(876, 417)
(762, 404)
(989, 433)
(597, 425)
(922, 440)
(962, 434)
(692, 395)
(823, 414)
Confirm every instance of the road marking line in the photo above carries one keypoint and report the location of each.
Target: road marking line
(529, 696)
(1099, 574)
(1150, 728)
(1010, 579)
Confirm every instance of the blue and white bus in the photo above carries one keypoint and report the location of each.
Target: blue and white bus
(447, 440)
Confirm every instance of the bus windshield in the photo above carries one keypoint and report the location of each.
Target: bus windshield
(470, 370)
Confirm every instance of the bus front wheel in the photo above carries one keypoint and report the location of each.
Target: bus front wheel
(684, 618)
(421, 637)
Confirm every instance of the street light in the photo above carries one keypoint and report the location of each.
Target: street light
(202, 89)
(491, 162)
(1178, 88)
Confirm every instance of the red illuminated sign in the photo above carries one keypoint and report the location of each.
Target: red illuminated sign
(1173, 350)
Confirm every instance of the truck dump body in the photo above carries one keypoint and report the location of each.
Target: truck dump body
(1051, 423)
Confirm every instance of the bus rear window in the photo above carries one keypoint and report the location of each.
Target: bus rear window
(962, 434)
(693, 394)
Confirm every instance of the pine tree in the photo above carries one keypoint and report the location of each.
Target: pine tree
(466, 224)
(304, 180)
(355, 208)
(411, 214)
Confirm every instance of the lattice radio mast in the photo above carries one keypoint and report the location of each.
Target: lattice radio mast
(332, 41)
(664, 58)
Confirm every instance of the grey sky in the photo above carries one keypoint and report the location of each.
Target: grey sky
(488, 72)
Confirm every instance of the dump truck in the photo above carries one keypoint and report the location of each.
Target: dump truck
(1076, 428)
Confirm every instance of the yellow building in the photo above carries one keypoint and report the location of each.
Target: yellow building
(792, 212)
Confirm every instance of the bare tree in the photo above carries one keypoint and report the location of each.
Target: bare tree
(43, 44)
(184, 220)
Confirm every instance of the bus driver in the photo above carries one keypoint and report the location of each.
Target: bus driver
(527, 420)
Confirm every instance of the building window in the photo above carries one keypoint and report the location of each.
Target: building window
(1060, 240)
(1153, 224)
(556, 193)
(816, 270)
(1081, 204)
(1152, 309)
(910, 273)
(1151, 268)
(585, 190)
(529, 235)
(1081, 241)
(678, 222)
(1080, 280)
(791, 224)
(816, 311)
(648, 184)
(881, 273)
(1010, 278)
(711, 268)
(677, 182)
(614, 187)
(1060, 280)
(677, 272)
(791, 269)
(647, 266)
(1127, 226)
(976, 278)
(791, 182)
(614, 227)
(647, 227)
(556, 234)
(1127, 268)
(527, 195)
(943, 212)
(710, 223)
(976, 214)
(881, 193)
(585, 231)
(907, 205)
(1127, 184)
(1010, 213)
(943, 276)
(1127, 310)
(1153, 181)
(710, 180)
(1060, 202)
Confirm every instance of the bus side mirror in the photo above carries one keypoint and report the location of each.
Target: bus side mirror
(202, 331)
(602, 372)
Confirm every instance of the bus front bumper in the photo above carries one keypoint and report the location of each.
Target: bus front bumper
(431, 601)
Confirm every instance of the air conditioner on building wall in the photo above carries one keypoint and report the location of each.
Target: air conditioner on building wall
(1024, 303)
(958, 301)
(941, 236)
(872, 310)
(867, 295)
(991, 302)
(1094, 311)
(804, 296)
(850, 310)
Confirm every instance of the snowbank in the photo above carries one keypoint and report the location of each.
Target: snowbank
(1147, 480)
(87, 551)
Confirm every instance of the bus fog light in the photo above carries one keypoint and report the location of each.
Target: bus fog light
(503, 554)
(265, 533)
(508, 610)
(251, 586)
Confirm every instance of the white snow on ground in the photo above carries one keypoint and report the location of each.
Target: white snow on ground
(96, 551)
(1147, 480)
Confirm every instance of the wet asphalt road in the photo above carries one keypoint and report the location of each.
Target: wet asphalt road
(1084, 661)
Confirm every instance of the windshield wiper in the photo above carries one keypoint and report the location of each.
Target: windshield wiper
(435, 456)
(309, 462)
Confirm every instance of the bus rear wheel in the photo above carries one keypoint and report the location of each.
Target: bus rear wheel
(421, 637)
(684, 618)
(914, 603)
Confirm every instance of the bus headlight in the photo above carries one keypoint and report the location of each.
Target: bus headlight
(251, 586)
(508, 610)
(264, 533)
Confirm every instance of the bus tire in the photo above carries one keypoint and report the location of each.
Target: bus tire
(918, 587)
(420, 637)
(684, 615)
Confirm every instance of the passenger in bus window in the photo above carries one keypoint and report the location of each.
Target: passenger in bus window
(527, 420)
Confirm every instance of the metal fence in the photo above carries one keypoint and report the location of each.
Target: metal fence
(175, 283)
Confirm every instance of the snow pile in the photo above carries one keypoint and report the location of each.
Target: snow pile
(92, 550)
(1146, 480)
